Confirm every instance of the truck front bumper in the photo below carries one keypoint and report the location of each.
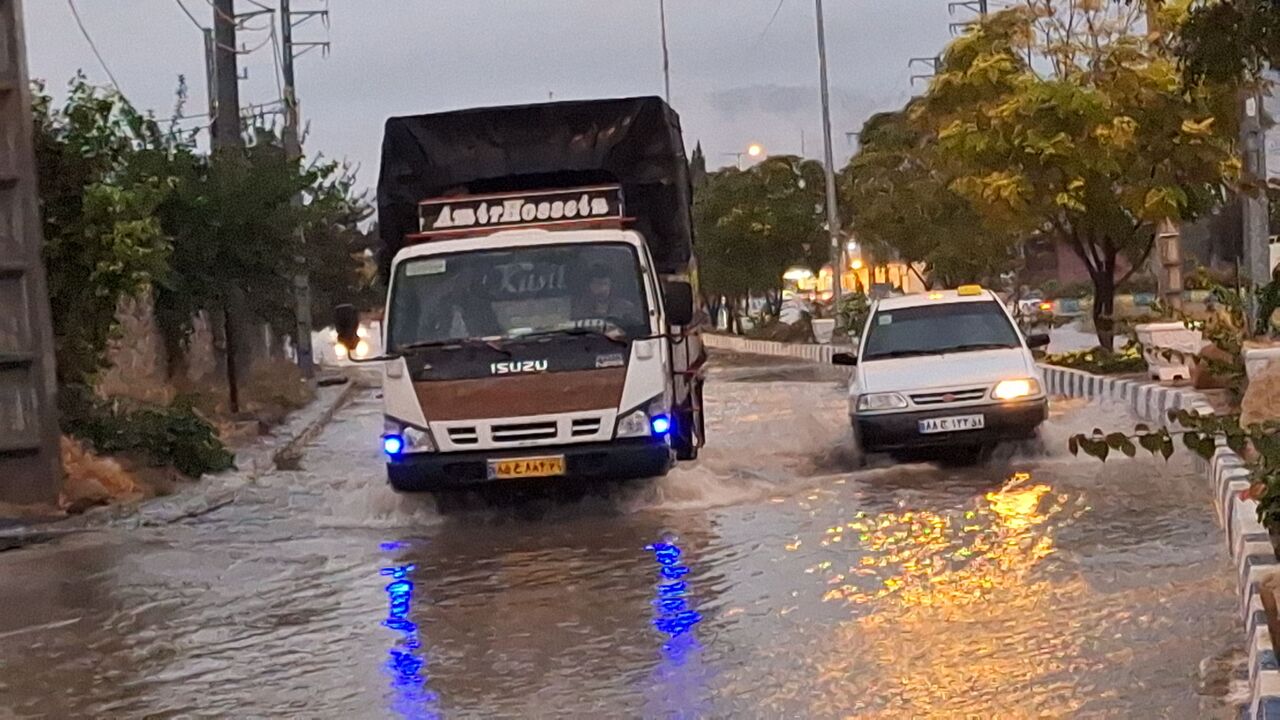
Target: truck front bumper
(901, 431)
(616, 460)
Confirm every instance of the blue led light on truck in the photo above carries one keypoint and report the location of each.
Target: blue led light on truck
(661, 424)
(392, 444)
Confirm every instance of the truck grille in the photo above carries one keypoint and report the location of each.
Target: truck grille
(524, 431)
(953, 396)
(586, 427)
(464, 436)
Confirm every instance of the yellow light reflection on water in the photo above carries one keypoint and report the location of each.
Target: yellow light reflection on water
(935, 596)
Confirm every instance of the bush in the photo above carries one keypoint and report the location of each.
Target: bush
(852, 314)
(1128, 360)
(162, 435)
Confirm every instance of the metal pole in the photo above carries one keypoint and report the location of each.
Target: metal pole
(666, 52)
(1257, 234)
(293, 150)
(210, 74)
(833, 215)
(226, 124)
(30, 466)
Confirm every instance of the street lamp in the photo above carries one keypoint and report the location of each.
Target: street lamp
(666, 53)
(755, 150)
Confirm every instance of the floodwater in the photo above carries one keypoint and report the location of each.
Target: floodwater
(769, 580)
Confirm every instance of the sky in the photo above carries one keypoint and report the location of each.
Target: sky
(733, 82)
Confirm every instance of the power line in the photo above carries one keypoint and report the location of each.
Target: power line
(92, 45)
(772, 18)
(191, 17)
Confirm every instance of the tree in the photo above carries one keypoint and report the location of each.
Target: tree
(1230, 41)
(1093, 146)
(103, 242)
(753, 224)
(900, 205)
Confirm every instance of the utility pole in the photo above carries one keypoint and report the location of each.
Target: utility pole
(833, 215)
(226, 120)
(210, 75)
(1257, 231)
(293, 150)
(30, 466)
(666, 52)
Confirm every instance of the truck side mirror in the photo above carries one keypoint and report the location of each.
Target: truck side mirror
(679, 302)
(346, 320)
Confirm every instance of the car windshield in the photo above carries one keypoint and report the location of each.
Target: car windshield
(941, 328)
(517, 292)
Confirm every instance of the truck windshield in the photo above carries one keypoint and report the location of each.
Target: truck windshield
(935, 329)
(514, 292)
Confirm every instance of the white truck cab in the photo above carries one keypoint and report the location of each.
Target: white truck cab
(943, 369)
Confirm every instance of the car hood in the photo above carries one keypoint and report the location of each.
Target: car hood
(983, 367)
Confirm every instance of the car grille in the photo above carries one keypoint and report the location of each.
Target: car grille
(953, 396)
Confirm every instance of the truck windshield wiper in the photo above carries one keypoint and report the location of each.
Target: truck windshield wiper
(461, 342)
(575, 331)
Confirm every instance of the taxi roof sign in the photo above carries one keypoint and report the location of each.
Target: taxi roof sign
(969, 290)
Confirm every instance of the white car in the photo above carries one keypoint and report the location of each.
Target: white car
(943, 369)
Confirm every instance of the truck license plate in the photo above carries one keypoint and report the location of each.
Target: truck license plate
(532, 467)
(958, 423)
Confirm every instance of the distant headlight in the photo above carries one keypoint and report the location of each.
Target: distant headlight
(1014, 389)
(362, 349)
(881, 401)
(340, 351)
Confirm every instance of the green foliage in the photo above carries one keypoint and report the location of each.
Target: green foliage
(174, 435)
(754, 224)
(898, 199)
(1095, 146)
(1230, 41)
(1126, 361)
(852, 313)
(103, 242)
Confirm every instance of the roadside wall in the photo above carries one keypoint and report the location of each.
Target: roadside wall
(1246, 539)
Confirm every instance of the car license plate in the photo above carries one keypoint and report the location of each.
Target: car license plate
(532, 467)
(958, 423)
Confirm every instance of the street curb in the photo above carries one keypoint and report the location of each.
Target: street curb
(206, 496)
(1246, 539)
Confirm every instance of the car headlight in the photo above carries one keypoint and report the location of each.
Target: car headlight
(1015, 389)
(340, 351)
(881, 401)
(362, 349)
(400, 439)
(652, 421)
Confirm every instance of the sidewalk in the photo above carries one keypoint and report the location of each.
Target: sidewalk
(205, 495)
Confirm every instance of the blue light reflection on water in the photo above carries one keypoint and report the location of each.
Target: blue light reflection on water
(406, 666)
(679, 687)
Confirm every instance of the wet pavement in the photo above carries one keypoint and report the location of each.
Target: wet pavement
(769, 580)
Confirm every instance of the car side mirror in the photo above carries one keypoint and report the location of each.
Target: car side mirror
(1037, 341)
(679, 302)
(346, 320)
(844, 359)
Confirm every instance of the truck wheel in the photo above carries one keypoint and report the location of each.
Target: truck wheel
(685, 440)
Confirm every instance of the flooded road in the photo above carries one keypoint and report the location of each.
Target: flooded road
(769, 580)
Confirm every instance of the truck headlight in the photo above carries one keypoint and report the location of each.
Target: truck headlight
(1015, 389)
(881, 401)
(400, 439)
(651, 421)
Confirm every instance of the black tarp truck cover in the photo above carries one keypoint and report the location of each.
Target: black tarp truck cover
(634, 142)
